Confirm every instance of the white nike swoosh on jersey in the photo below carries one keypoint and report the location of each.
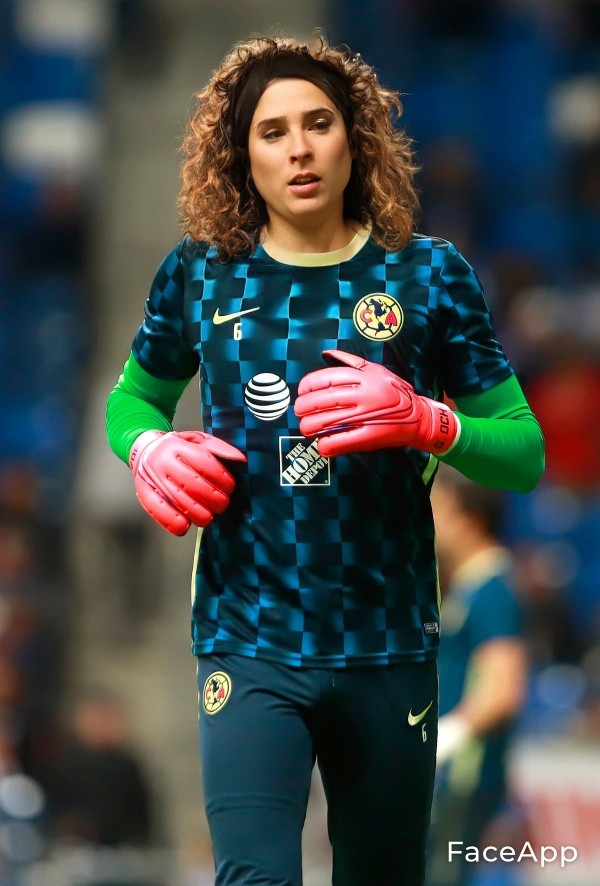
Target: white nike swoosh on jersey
(413, 719)
(225, 318)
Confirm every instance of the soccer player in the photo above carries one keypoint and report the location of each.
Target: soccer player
(325, 332)
(483, 672)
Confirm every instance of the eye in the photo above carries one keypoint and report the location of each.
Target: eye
(272, 134)
(321, 125)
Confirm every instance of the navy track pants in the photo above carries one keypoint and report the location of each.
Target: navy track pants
(263, 724)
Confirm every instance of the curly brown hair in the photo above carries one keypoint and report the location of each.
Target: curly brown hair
(218, 202)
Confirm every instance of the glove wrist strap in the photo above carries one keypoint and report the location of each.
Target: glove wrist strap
(140, 443)
(445, 428)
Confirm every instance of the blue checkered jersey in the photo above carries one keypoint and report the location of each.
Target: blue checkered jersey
(317, 562)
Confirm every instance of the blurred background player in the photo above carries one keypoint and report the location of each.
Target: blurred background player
(482, 671)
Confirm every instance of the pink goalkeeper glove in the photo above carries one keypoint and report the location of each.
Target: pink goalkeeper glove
(361, 406)
(179, 479)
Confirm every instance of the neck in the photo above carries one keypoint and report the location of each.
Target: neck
(316, 236)
(469, 548)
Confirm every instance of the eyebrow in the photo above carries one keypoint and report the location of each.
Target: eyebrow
(271, 121)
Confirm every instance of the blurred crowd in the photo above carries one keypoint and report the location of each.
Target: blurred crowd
(503, 101)
(66, 776)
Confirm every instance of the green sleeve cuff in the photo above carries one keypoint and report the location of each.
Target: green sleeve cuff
(139, 402)
(501, 443)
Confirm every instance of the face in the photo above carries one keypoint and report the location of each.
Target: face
(299, 155)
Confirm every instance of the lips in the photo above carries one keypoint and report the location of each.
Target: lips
(304, 183)
(304, 178)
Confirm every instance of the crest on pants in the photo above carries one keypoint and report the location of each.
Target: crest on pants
(217, 690)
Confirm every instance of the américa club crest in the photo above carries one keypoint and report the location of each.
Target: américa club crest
(378, 316)
(216, 692)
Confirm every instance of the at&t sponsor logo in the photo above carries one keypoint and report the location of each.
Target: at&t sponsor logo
(267, 396)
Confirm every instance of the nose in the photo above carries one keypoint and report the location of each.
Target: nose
(300, 147)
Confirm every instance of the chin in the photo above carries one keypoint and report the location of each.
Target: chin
(309, 206)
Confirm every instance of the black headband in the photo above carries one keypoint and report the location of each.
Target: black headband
(287, 64)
